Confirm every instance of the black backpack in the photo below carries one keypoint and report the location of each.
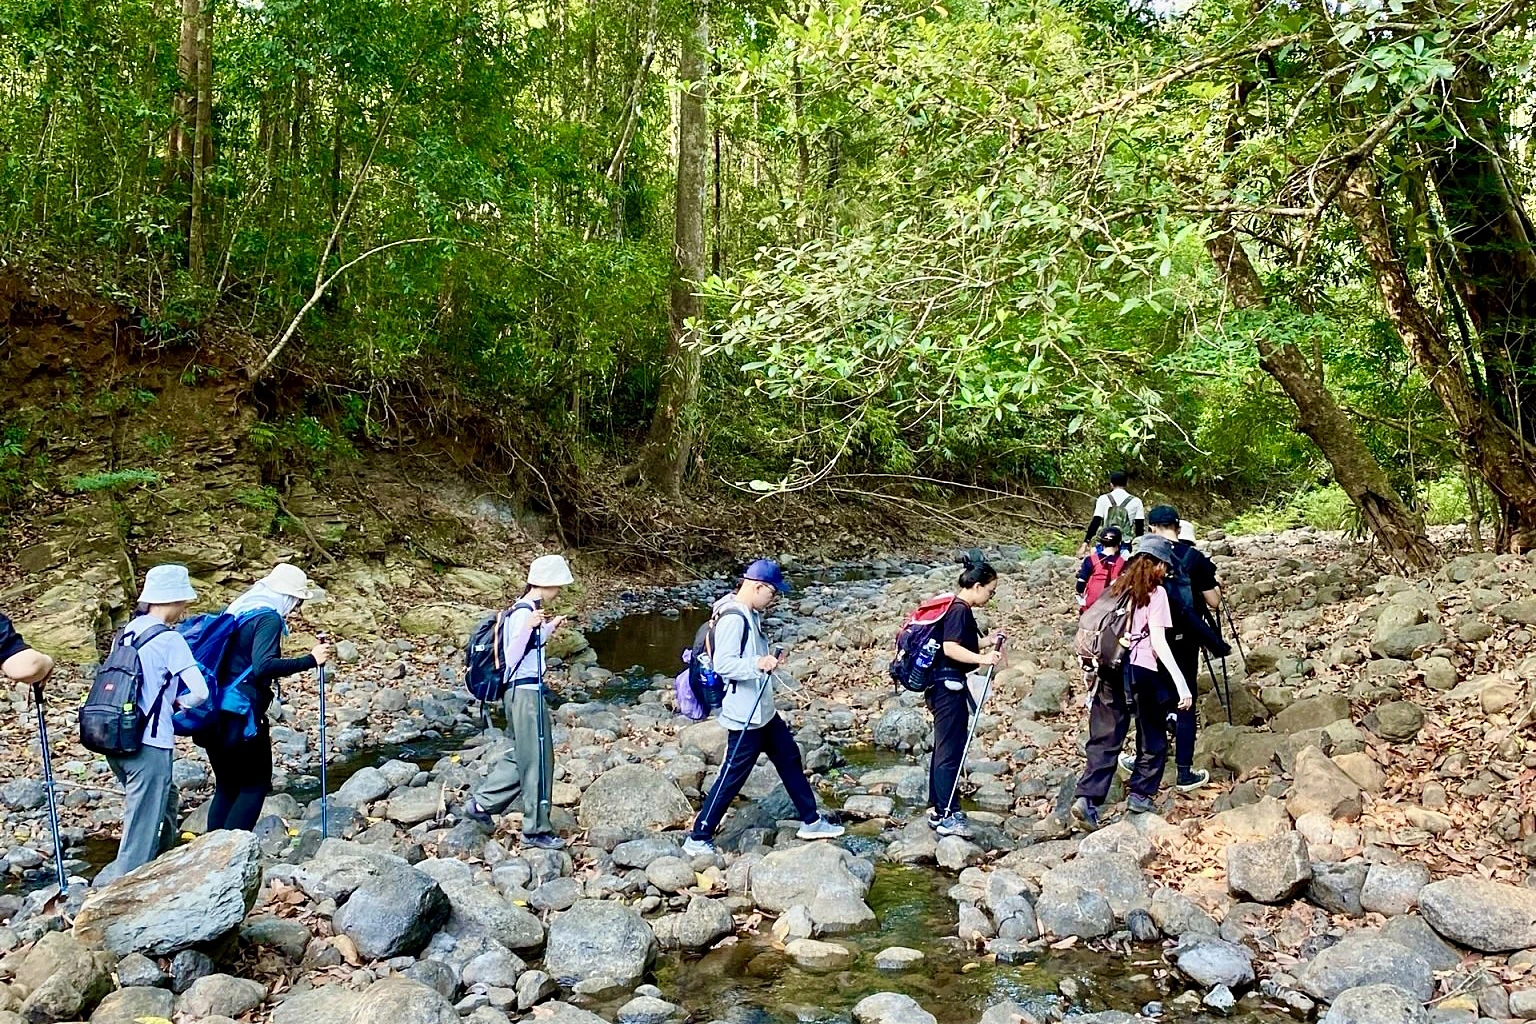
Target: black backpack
(111, 721)
(484, 674)
(708, 688)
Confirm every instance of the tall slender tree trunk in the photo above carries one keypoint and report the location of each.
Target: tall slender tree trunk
(202, 145)
(672, 425)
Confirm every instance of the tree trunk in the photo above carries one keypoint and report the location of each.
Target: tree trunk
(202, 145)
(1319, 416)
(672, 425)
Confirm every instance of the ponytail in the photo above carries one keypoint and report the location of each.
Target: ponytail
(978, 572)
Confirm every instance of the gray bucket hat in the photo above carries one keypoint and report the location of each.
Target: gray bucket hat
(1160, 548)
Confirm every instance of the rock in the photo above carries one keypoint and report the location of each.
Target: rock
(366, 786)
(1365, 959)
(481, 910)
(897, 958)
(1376, 1004)
(634, 799)
(703, 924)
(128, 1005)
(670, 874)
(1141, 926)
(1362, 770)
(393, 915)
(1320, 785)
(533, 988)
(394, 999)
(192, 895)
(338, 868)
(1074, 911)
(1270, 870)
(1115, 876)
(221, 995)
(1177, 915)
(827, 879)
(63, 979)
(638, 853)
(903, 728)
(495, 968)
(955, 853)
(1412, 932)
(188, 967)
(289, 937)
(138, 971)
(415, 805)
(1439, 673)
(1311, 713)
(1210, 962)
(1397, 722)
(23, 795)
(818, 956)
(1491, 917)
(891, 1008)
(1220, 999)
(599, 939)
(1266, 818)
(1392, 889)
(865, 807)
(1118, 837)
(1522, 1003)
(1407, 641)
(1337, 887)
(646, 1010)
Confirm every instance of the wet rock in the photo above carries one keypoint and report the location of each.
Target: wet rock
(1365, 959)
(1491, 917)
(1397, 722)
(1392, 889)
(891, 1008)
(393, 915)
(1337, 887)
(1115, 876)
(1311, 713)
(827, 879)
(634, 799)
(128, 1005)
(897, 958)
(192, 895)
(903, 728)
(1269, 871)
(395, 999)
(221, 995)
(64, 979)
(1065, 911)
(1376, 1004)
(815, 955)
(1141, 926)
(599, 939)
(646, 1010)
(1320, 785)
(1210, 962)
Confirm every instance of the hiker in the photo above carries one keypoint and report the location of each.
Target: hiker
(1118, 508)
(19, 661)
(242, 765)
(150, 805)
(525, 775)
(1149, 687)
(950, 699)
(1194, 594)
(1100, 568)
(741, 657)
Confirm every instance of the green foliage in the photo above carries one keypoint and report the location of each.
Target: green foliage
(159, 442)
(304, 440)
(116, 480)
(258, 499)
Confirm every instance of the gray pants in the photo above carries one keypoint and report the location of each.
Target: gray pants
(525, 774)
(150, 810)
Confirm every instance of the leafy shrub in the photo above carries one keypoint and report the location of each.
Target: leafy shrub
(117, 480)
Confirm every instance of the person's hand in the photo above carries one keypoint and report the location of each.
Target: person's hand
(1224, 650)
(537, 618)
(1082, 550)
(989, 658)
(767, 663)
(1185, 703)
(556, 622)
(321, 653)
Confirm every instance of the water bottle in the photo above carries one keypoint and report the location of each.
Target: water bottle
(925, 656)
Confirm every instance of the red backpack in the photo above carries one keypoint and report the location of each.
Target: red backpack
(1104, 573)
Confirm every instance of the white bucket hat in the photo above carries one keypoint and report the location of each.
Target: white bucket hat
(290, 581)
(1186, 530)
(167, 584)
(549, 571)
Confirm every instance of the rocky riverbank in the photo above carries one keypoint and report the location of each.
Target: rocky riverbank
(1362, 852)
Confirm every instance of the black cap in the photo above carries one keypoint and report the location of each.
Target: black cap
(1111, 535)
(1163, 515)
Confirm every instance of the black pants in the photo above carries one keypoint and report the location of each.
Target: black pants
(741, 749)
(242, 778)
(1108, 721)
(1186, 721)
(951, 723)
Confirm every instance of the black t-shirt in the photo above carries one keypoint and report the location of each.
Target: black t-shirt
(1199, 568)
(959, 627)
(11, 642)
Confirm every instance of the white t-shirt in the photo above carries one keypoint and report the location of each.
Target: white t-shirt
(165, 660)
(1121, 496)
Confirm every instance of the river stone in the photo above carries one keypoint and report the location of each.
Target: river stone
(64, 980)
(1365, 959)
(703, 924)
(533, 988)
(495, 968)
(1406, 641)
(645, 1010)
(1177, 915)
(868, 806)
(1115, 876)
(338, 868)
(192, 895)
(1119, 837)
(1268, 871)
(1266, 818)
(392, 915)
(670, 874)
(1074, 911)
(634, 799)
(826, 879)
(1412, 932)
(1392, 889)
(897, 958)
(481, 910)
(221, 995)
(415, 805)
(599, 939)
(903, 728)
(1311, 713)
(23, 795)
(287, 936)
(1376, 1004)
(1320, 785)
(891, 1008)
(1210, 962)
(127, 1005)
(1397, 722)
(638, 853)
(395, 999)
(364, 787)
(1337, 887)
(138, 971)
(1491, 917)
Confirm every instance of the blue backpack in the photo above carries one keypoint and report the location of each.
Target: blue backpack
(208, 635)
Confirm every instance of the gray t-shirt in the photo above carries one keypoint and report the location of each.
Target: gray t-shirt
(167, 662)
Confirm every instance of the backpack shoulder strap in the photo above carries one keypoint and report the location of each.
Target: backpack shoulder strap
(149, 634)
(1119, 504)
(714, 620)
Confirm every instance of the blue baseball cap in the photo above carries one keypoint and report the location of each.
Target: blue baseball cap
(765, 570)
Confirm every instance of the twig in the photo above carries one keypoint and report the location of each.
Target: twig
(305, 527)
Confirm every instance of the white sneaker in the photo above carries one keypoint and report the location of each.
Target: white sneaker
(699, 847)
(1128, 763)
(954, 825)
(821, 828)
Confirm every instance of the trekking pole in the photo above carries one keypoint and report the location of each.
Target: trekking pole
(53, 807)
(730, 753)
(1226, 699)
(986, 687)
(324, 799)
(546, 782)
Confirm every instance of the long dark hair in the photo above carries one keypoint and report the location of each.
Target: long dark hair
(1142, 575)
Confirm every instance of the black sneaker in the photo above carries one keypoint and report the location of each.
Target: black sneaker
(1191, 779)
(474, 812)
(545, 841)
(933, 818)
(1137, 804)
(1086, 813)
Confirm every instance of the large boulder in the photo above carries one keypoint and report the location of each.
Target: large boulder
(479, 910)
(1115, 876)
(1311, 713)
(190, 896)
(393, 915)
(1322, 786)
(1269, 871)
(1491, 917)
(634, 799)
(337, 868)
(62, 978)
(1365, 959)
(1376, 1004)
(826, 879)
(903, 728)
(1210, 962)
(599, 939)
(395, 999)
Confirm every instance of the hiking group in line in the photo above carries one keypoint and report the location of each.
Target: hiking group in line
(1146, 612)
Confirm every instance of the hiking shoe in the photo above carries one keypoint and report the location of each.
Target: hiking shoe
(1191, 778)
(699, 847)
(933, 818)
(545, 841)
(1138, 804)
(821, 828)
(474, 812)
(954, 825)
(1127, 763)
(1086, 813)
